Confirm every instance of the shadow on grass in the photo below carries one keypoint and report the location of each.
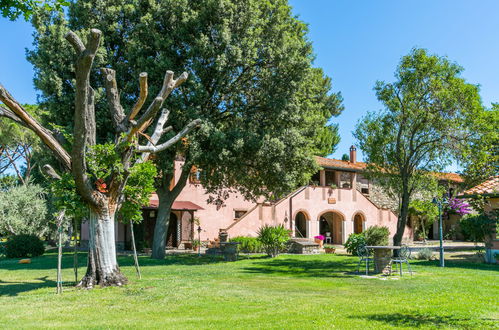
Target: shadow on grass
(459, 263)
(305, 268)
(14, 288)
(419, 320)
(49, 261)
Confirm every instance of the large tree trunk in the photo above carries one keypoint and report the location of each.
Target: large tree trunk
(102, 268)
(166, 198)
(162, 222)
(402, 219)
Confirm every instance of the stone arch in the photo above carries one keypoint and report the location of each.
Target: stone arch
(332, 224)
(359, 222)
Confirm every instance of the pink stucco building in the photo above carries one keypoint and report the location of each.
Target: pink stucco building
(340, 201)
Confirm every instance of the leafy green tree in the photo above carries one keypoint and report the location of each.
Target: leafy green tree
(424, 213)
(265, 108)
(480, 159)
(428, 118)
(23, 211)
(12, 9)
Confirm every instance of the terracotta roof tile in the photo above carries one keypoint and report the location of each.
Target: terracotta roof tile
(360, 166)
(336, 163)
(177, 205)
(490, 186)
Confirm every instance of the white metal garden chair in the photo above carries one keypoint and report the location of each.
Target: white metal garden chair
(364, 256)
(403, 257)
(328, 239)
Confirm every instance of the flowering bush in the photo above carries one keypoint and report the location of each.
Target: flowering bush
(321, 237)
(458, 206)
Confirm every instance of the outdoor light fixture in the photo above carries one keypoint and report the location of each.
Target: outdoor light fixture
(199, 239)
(439, 203)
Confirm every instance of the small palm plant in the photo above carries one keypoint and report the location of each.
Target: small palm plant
(273, 239)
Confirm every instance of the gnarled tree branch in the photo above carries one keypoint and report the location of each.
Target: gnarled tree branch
(154, 149)
(169, 84)
(17, 112)
(84, 125)
(113, 99)
(142, 96)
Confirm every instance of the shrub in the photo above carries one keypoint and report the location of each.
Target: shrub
(424, 254)
(377, 235)
(273, 239)
(22, 246)
(23, 210)
(353, 242)
(477, 227)
(248, 244)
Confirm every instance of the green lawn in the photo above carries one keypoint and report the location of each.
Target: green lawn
(291, 291)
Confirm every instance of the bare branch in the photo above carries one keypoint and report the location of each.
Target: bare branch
(154, 149)
(158, 132)
(75, 41)
(169, 84)
(113, 99)
(142, 96)
(49, 170)
(44, 134)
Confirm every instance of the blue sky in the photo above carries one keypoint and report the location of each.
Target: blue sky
(356, 43)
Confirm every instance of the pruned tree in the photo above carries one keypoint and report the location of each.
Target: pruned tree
(430, 117)
(87, 161)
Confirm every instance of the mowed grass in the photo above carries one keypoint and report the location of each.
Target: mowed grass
(288, 292)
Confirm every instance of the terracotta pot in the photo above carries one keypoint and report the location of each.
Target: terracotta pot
(195, 248)
(147, 250)
(330, 250)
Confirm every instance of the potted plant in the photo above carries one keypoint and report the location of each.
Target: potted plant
(319, 239)
(328, 248)
(196, 244)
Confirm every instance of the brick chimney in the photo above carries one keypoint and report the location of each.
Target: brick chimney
(353, 154)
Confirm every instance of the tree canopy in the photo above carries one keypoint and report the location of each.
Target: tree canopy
(265, 107)
(12, 9)
(430, 115)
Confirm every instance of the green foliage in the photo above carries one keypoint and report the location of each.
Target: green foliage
(139, 187)
(429, 118)
(248, 244)
(12, 9)
(273, 239)
(103, 160)
(353, 243)
(196, 243)
(23, 210)
(21, 246)
(64, 197)
(424, 213)
(479, 228)
(377, 235)
(265, 108)
(481, 153)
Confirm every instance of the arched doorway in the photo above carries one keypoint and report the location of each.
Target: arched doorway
(332, 224)
(358, 223)
(300, 225)
(172, 233)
